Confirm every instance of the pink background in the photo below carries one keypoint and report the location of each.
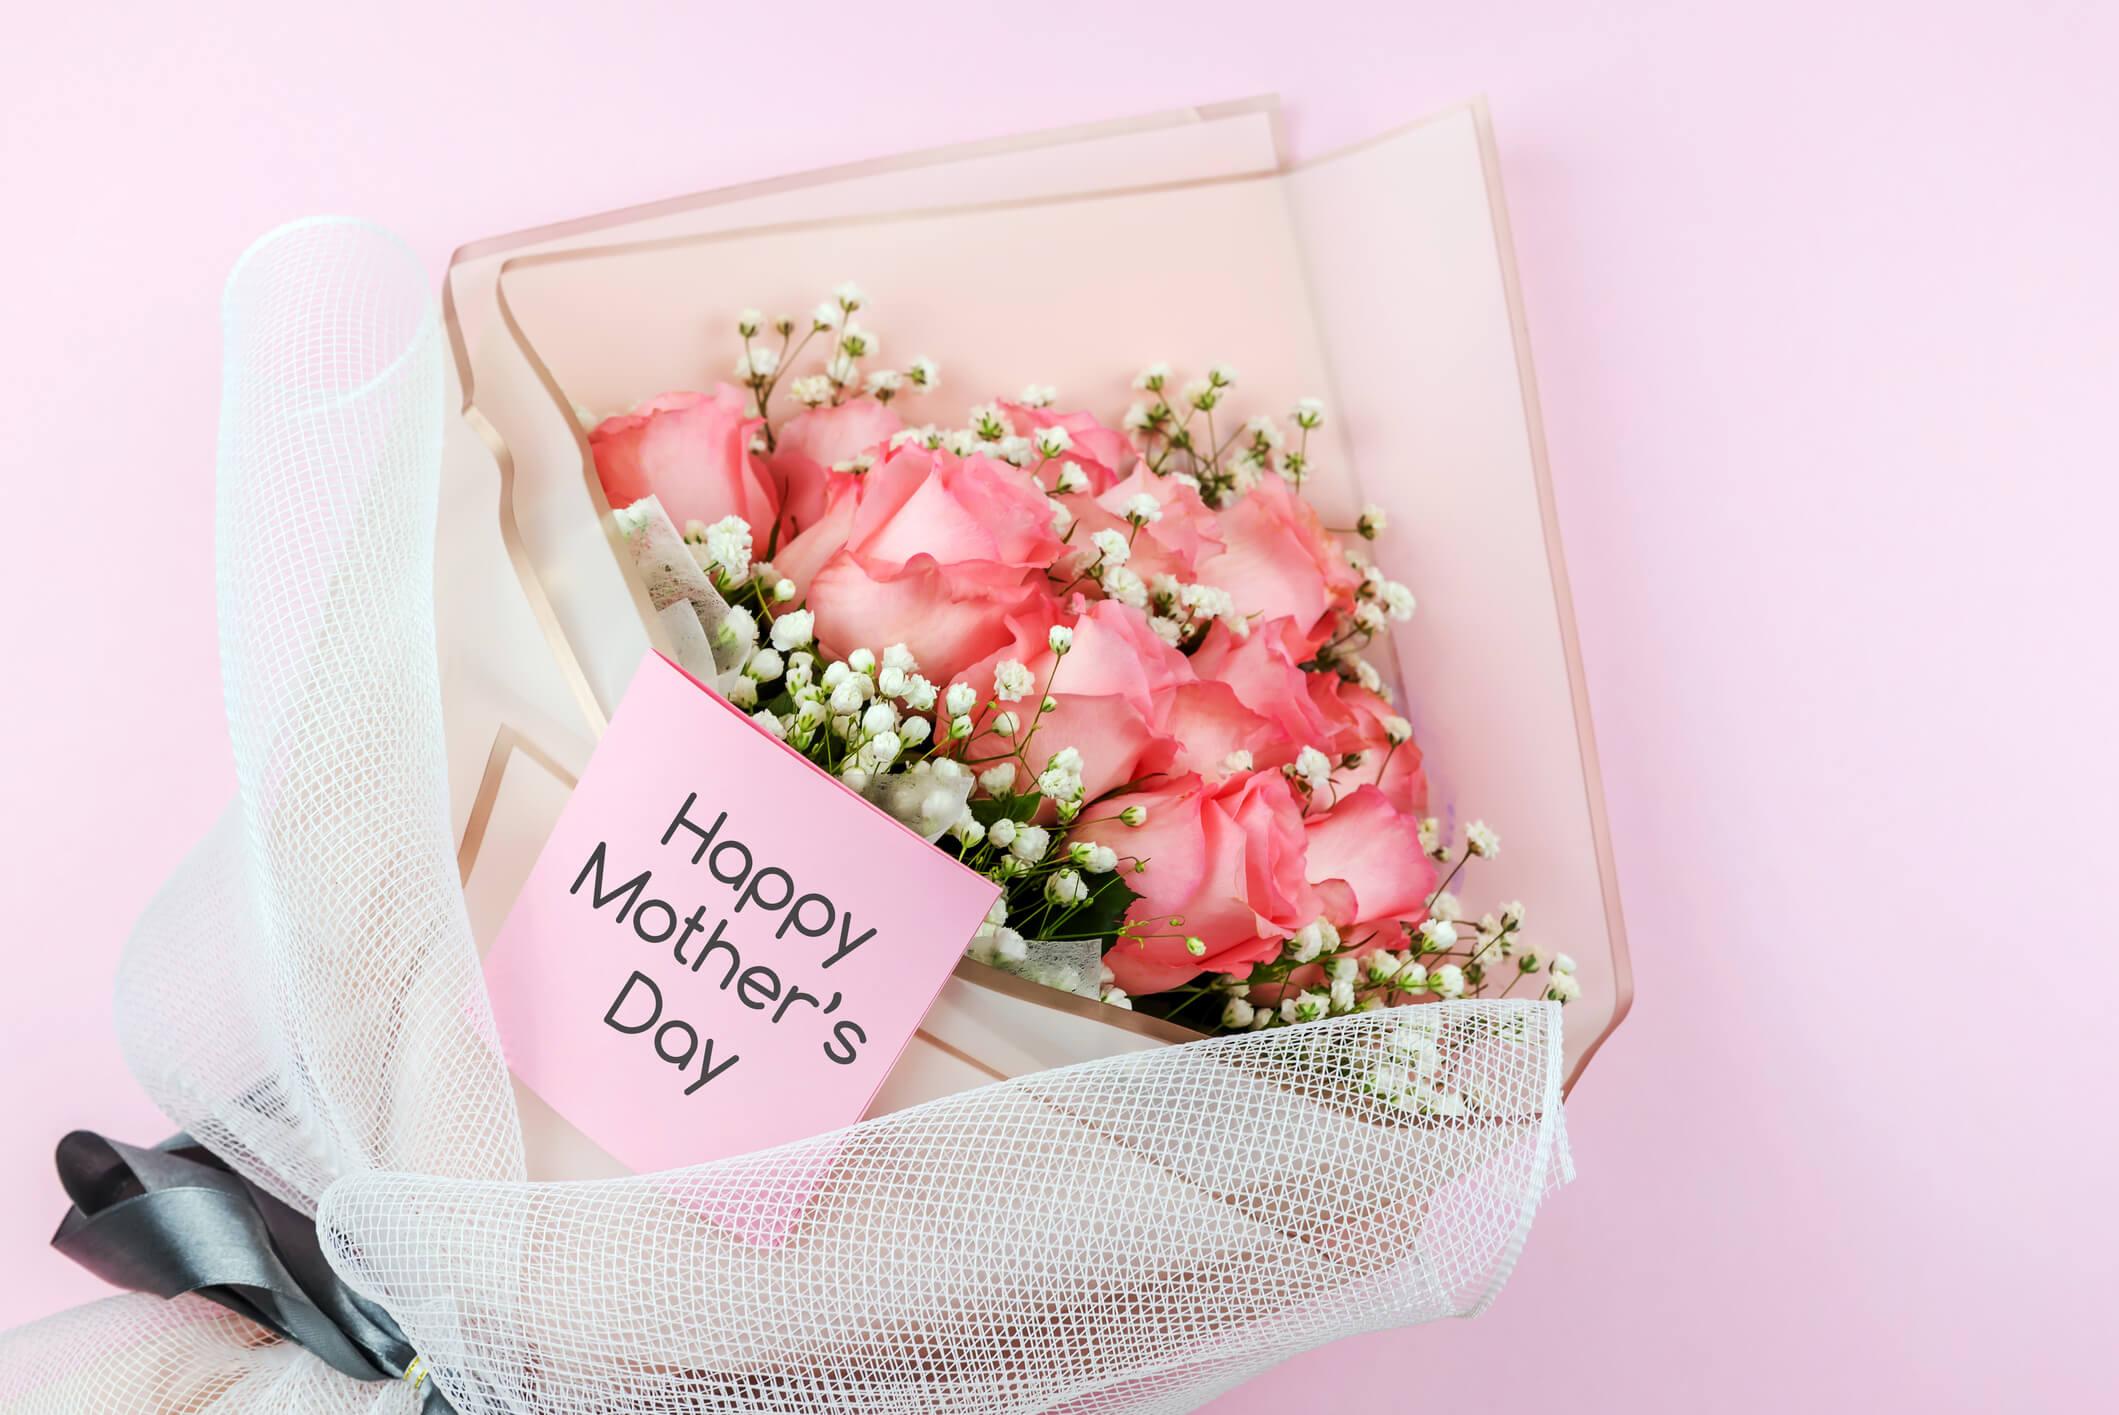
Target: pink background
(1823, 301)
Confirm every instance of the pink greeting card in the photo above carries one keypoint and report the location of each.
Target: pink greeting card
(720, 948)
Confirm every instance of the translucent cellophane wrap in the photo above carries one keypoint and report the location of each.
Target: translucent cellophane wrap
(1138, 1233)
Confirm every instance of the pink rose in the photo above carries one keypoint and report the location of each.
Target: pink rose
(1185, 534)
(1101, 452)
(1226, 859)
(1364, 856)
(1279, 562)
(1358, 721)
(1209, 722)
(815, 441)
(1263, 669)
(1112, 691)
(933, 551)
(693, 452)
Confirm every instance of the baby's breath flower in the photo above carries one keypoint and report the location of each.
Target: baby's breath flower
(1397, 731)
(1134, 815)
(862, 661)
(1143, 509)
(1061, 780)
(1060, 638)
(1011, 680)
(1447, 981)
(968, 829)
(919, 694)
(1444, 905)
(1480, 839)
(1265, 433)
(1201, 395)
(856, 342)
(1237, 1013)
(913, 731)
(1005, 723)
(1071, 480)
(792, 630)
(924, 374)
(1305, 1007)
(1236, 762)
(1111, 546)
(1039, 395)
(757, 365)
(739, 690)
(1065, 887)
(1167, 629)
(1062, 518)
(1436, 935)
(1316, 937)
(1116, 997)
(1562, 988)
(812, 391)
(1562, 963)
(1138, 418)
(1030, 844)
(989, 422)
(1512, 914)
(747, 323)
(1002, 832)
(1308, 414)
(1430, 835)
(998, 780)
(765, 665)
(1123, 585)
(1051, 441)
(883, 384)
(1312, 769)
(960, 699)
(1221, 376)
(737, 632)
(826, 316)
(1397, 600)
(1152, 378)
(728, 548)
(1372, 522)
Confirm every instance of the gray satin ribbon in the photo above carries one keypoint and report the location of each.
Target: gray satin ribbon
(177, 1219)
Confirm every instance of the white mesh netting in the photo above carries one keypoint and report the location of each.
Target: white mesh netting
(1139, 1233)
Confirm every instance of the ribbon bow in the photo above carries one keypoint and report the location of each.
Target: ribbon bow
(178, 1219)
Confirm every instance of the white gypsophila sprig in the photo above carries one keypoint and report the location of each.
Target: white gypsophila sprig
(1012, 680)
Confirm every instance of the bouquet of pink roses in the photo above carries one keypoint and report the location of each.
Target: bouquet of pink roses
(1126, 673)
